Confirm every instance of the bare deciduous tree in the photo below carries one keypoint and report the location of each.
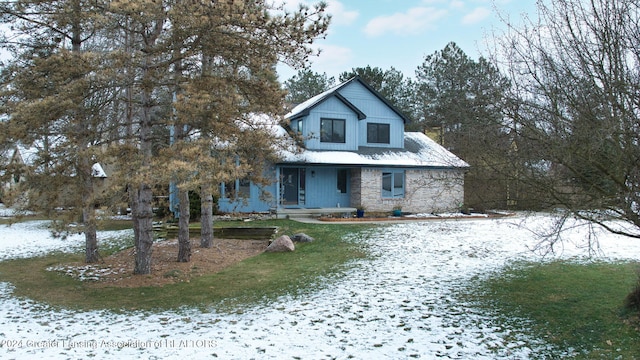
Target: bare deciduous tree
(576, 108)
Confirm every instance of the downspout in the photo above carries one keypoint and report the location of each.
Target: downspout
(278, 198)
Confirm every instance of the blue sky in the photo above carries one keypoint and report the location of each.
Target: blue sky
(400, 33)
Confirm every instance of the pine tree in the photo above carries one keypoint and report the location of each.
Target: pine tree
(54, 89)
(460, 104)
(92, 80)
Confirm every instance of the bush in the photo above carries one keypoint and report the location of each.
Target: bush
(632, 301)
(195, 209)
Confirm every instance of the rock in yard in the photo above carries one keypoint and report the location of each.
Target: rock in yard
(281, 244)
(302, 237)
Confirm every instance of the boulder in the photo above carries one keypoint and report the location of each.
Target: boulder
(302, 237)
(281, 244)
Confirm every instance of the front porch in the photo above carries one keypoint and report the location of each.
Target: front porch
(287, 213)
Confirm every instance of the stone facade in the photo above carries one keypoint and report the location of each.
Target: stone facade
(425, 190)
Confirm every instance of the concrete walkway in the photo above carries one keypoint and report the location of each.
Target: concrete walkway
(396, 220)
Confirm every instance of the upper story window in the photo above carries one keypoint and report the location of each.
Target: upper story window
(378, 133)
(332, 130)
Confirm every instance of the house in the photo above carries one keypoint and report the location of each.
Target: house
(356, 153)
(17, 160)
(11, 159)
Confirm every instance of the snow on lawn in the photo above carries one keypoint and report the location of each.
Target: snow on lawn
(400, 304)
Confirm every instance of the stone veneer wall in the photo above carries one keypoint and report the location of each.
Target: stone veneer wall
(426, 191)
(356, 187)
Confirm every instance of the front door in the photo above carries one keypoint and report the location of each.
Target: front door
(290, 186)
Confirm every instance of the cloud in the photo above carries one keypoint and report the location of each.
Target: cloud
(414, 21)
(340, 15)
(457, 4)
(476, 16)
(332, 58)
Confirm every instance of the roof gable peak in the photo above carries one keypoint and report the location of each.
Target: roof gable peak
(304, 108)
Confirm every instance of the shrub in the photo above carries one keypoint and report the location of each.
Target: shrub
(632, 301)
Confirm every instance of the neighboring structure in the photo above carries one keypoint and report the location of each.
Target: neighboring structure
(14, 159)
(11, 159)
(355, 154)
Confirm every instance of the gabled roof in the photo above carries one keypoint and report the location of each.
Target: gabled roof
(420, 151)
(304, 108)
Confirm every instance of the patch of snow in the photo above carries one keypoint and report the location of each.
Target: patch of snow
(88, 272)
(7, 212)
(431, 154)
(33, 238)
(313, 100)
(98, 171)
(402, 303)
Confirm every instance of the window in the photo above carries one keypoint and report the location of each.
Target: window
(378, 133)
(229, 190)
(342, 181)
(244, 188)
(236, 189)
(298, 127)
(332, 130)
(393, 184)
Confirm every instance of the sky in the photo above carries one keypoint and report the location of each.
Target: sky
(401, 33)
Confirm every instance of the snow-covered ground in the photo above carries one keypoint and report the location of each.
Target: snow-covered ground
(400, 304)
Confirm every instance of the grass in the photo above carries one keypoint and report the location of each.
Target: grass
(575, 307)
(251, 281)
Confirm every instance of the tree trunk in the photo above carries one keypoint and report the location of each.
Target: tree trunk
(206, 217)
(142, 207)
(89, 220)
(184, 243)
(142, 212)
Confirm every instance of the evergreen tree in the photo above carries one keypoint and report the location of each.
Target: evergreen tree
(305, 85)
(461, 103)
(204, 68)
(54, 91)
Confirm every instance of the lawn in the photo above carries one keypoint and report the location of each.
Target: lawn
(457, 289)
(576, 307)
(256, 279)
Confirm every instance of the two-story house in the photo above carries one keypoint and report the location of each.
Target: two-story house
(355, 154)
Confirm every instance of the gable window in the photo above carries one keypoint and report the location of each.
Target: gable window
(342, 181)
(332, 130)
(298, 127)
(393, 184)
(378, 133)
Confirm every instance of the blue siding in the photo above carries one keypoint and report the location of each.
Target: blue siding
(377, 112)
(255, 201)
(322, 189)
(332, 108)
(321, 183)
